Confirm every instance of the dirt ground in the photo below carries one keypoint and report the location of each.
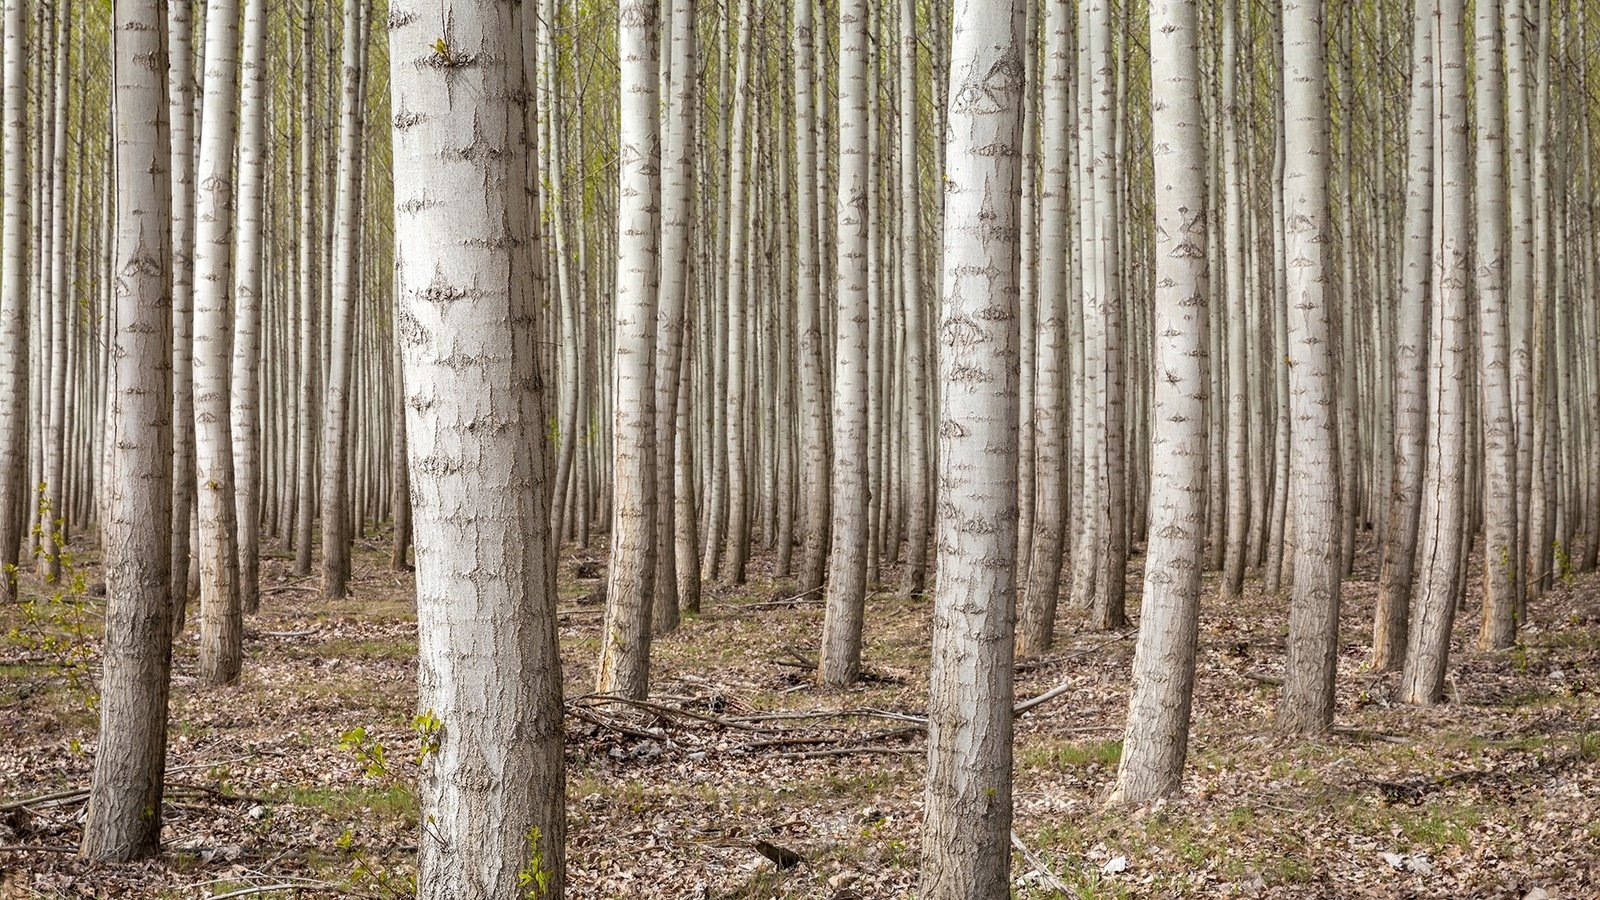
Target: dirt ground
(273, 793)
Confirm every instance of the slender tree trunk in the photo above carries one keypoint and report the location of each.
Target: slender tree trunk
(310, 330)
(1238, 424)
(1037, 621)
(1433, 597)
(337, 435)
(740, 254)
(221, 627)
(53, 370)
(1499, 627)
(840, 662)
(1307, 703)
(13, 304)
(918, 490)
(124, 815)
(967, 804)
(815, 474)
(1157, 736)
(247, 302)
(630, 593)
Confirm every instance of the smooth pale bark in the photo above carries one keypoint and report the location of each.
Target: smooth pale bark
(1441, 544)
(337, 435)
(181, 104)
(124, 813)
(815, 473)
(13, 303)
(1307, 701)
(624, 667)
(967, 803)
(53, 366)
(1239, 488)
(918, 490)
(1157, 735)
(1411, 357)
(1520, 261)
(1499, 626)
(309, 308)
(493, 793)
(740, 254)
(1036, 624)
(247, 298)
(221, 625)
(676, 232)
(840, 660)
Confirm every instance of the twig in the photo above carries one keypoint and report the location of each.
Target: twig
(1039, 866)
(71, 794)
(36, 848)
(847, 751)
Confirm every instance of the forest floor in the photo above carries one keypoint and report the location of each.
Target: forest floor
(274, 793)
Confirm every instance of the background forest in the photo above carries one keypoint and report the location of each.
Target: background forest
(800, 448)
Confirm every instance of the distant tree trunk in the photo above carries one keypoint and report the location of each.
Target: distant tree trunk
(221, 627)
(1307, 703)
(467, 314)
(1233, 250)
(676, 199)
(918, 490)
(310, 399)
(840, 662)
(124, 815)
(967, 803)
(630, 594)
(1499, 627)
(337, 434)
(1411, 357)
(1157, 736)
(1433, 597)
(247, 301)
(740, 253)
(53, 353)
(815, 478)
(13, 304)
(1036, 624)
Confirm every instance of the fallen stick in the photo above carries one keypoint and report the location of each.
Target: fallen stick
(1040, 867)
(848, 751)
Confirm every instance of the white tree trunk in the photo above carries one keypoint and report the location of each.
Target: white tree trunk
(247, 301)
(493, 792)
(630, 594)
(221, 628)
(13, 303)
(840, 661)
(967, 803)
(1157, 736)
(124, 815)
(1307, 703)
(180, 108)
(918, 489)
(815, 478)
(1440, 551)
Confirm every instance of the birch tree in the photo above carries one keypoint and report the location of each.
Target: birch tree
(467, 315)
(124, 814)
(967, 801)
(1157, 735)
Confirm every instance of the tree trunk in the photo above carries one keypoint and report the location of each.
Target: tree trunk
(840, 662)
(13, 305)
(221, 627)
(1307, 703)
(815, 476)
(967, 803)
(1157, 737)
(630, 593)
(124, 814)
(493, 789)
(247, 302)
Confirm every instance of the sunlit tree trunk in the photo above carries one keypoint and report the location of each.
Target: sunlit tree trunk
(124, 814)
(967, 802)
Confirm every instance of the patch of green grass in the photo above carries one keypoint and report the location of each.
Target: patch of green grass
(395, 802)
(1073, 756)
(1436, 826)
